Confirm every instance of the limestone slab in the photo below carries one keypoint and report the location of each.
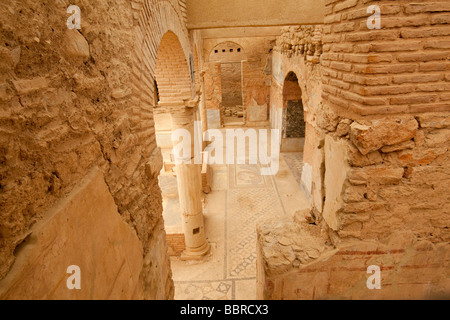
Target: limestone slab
(86, 230)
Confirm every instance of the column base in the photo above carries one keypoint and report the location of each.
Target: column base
(195, 253)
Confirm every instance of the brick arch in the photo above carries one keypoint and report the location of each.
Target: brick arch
(172, 70)
(156, 24)
(151, 20)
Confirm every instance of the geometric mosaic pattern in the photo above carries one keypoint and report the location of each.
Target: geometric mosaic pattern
(246, 207)
(216, 290)
(295, 163)
(247, 176)
(250, 199)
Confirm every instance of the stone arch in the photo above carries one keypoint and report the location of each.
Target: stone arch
(291, 87)
(228, 58)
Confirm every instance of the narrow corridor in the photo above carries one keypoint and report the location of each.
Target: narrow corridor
(241, 198)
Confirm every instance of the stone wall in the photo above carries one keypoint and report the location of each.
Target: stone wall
(293, 263)
(383, 135)
(74, 100)
(293, 113)
(295, 122)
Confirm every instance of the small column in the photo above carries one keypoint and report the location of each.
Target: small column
(203, 112)
(189, 179)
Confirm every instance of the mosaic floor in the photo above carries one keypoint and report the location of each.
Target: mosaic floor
(295, 163)
(241, 198)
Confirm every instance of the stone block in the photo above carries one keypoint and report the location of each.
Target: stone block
(25, 86)
(75, 46)
(378, 175)
(155, 164)
(383, 132)
(336, 163)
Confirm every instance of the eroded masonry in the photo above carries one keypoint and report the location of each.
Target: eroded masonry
(358, 89)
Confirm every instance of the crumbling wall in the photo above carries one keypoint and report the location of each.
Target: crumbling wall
(72, 100)
(400, 69)
(295, 263)
(384, 124)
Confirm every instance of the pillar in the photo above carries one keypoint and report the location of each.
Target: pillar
(189, 181)
(203, 111)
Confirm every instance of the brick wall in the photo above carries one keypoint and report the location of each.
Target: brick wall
(402, 70)
(402, 67)
(159, 28)
(176, 244)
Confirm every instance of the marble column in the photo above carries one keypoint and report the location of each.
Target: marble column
(189, 180)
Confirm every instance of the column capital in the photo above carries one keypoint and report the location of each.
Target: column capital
(180, 106)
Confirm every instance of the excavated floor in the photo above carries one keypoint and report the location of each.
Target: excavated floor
(240, 199)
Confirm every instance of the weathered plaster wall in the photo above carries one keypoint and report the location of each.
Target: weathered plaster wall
(231, 84)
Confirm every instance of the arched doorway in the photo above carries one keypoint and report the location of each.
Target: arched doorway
(230, 55)
(294, 126)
